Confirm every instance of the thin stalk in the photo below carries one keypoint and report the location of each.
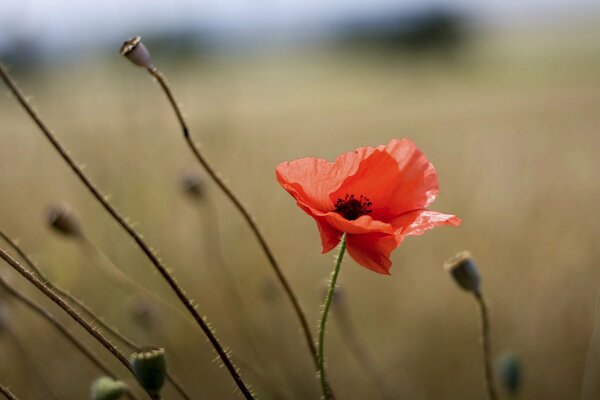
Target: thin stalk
(490, 386)
(327, 394)
(7, 393)
(62, 329)
(67, 308)
(245, 214)
(86, 310)
(52, 392)
(122, 221)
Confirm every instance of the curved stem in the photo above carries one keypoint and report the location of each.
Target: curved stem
(86, 310)
(64, 331)
(485, 343)
(122, 221)
(327, 394)
(245, 214)
(67, 308)
(7, 393)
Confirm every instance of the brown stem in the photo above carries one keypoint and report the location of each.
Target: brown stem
(245, 213)
(7, 393)
(86, 310)
(121, 220)
(485, 343)
(86, 351)
(67, 308)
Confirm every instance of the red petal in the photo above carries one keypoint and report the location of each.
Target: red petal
(372, 251)
(311, 180)
(396, 178)
(417, 222)
(364, 224)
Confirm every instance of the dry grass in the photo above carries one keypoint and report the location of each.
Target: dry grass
(513, 132)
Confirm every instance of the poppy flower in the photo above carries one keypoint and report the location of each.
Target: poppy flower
(376, 195)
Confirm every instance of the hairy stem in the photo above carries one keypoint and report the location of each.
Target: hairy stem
(122, 221)
(325, 387)
(62, 329)
(86, 310)
(243, 211)
(485, 343)
(7, 393)
(67, 308)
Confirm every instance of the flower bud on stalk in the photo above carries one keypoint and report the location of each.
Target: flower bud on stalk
(510, 372)
(137, 53)
(105, 388)
(60, 218)
(150, 368)
(192, 184)
(464, 271)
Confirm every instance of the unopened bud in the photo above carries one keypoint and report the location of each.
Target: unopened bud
(106, 388)
(464, 271)
(510, 372)
(150, 368)
(192, 184)
(136, 52)
(63, 220)
(143, 312)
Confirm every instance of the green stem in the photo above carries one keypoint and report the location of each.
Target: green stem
(327, 394)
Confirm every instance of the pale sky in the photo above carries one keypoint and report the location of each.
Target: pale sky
(66, 23)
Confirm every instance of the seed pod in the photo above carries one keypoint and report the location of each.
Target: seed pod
(143, 312)
(136, 52)
(105, 388)
(63, 220)
(464, 271)
(510, 372)
(192, 184)
(150, 368)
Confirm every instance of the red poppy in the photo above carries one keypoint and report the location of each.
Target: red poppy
(377, 196)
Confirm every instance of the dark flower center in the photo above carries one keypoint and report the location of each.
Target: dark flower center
(351, 207)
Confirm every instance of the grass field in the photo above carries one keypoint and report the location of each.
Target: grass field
(513, 130)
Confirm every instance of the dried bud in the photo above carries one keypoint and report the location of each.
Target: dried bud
(136, 52)
(192, 184)
(510, 372)
(464, 271)
(106, 388)
(144, 313)
(61, 219)
(150, 368)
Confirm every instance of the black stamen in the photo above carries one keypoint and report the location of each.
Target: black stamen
(351, 208)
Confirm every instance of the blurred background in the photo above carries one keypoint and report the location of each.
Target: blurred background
(502, 96)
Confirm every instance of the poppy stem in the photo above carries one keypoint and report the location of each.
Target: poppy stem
(87, 311)
(160, 267)
(327, 393)
(7, 393)
(155, 72)
(485, 343)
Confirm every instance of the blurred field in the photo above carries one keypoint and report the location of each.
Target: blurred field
(513, 130)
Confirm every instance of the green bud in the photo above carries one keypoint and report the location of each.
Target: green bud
(150, 368)
(510, 372)
(464, 271)
(106, 388)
